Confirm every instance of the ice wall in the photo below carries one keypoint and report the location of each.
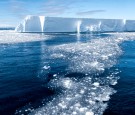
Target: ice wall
(59, 24)
(30, 24)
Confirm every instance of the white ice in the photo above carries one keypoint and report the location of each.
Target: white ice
(60, 24)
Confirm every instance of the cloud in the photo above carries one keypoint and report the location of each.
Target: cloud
(58, 7)
(91, 12)
(21, 8)
(18, 9)
(54, 7)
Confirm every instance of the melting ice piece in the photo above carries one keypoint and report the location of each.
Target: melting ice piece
(46, 67)
(96, 84)
(89, 113)
(67, 83)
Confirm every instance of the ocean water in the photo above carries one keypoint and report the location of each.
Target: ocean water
(67, 74)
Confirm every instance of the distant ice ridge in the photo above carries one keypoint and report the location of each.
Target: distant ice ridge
(59, 24)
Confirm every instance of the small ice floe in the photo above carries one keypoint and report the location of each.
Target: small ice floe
(46, 67)
(98, 66)
(57, 55)
(82, 109)
(91, 102)
(62, 105)
(67, 83)
(54, 75)
(104, 57)
(113, 82)
(82, 91)
(120, 38)
(94, 64)
(96, 84)
(89, 113)
(74, 113)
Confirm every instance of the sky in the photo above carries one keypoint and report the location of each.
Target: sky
(14, 11)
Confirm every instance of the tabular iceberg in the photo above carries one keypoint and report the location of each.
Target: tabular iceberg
(59, 24)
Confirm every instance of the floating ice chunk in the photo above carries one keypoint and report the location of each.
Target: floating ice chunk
(89, 113)
(120, 38)
(82, 91)
(91, 102)
(96, 84)
(77, 105)
(104, 96)
(74, 113)
(57, 55)
(54, 75)
(94, 64)
(92, 93)
(67, 83)
(62, 105)
(68, 98)
(113, 82)
(82, 109)
(46, 67)
(104, 57)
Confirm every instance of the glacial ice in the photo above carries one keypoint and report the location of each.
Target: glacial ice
(59, 24)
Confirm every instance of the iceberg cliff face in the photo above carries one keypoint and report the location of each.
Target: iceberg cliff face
(58, 24)
(30, 24)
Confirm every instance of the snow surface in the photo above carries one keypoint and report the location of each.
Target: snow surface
(9, 36)
(59, 24)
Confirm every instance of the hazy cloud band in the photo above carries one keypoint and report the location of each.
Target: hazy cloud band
(90, 12)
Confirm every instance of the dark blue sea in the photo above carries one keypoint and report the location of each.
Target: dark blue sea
(67, 74)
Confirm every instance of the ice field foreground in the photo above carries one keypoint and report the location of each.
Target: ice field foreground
(88, 91)
(59, 24)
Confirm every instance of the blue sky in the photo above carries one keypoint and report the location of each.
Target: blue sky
(13, 11)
